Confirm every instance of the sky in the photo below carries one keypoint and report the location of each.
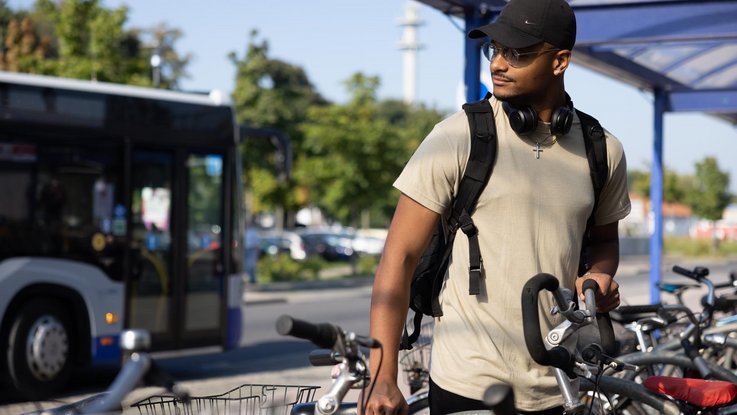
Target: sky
(333, 39)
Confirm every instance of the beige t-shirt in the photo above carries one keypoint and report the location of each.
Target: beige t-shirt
(531, 217)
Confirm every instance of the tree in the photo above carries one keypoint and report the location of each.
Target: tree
(274, 94)
(355, 151)
(82, 39)
(674, 185)
(709, 195)
(23, 49)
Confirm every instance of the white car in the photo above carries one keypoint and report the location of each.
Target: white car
(275, 242)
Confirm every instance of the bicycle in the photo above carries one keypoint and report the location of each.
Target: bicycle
(666, 395)
(703, 340)
(344, 349)
(139, 366)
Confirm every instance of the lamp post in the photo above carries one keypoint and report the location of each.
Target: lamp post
(156, 67)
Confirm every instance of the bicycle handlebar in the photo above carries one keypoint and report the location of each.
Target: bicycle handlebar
(322, 335)
(558, 356)
(639, 309)
(698, 273)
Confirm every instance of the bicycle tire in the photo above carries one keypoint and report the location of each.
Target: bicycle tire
(675, 359)
(635, 391)
(419, 403)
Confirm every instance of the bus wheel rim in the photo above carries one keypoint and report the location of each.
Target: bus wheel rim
(47, 348)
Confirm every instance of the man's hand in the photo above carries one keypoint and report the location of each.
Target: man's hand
(386, 399)
(607, 298)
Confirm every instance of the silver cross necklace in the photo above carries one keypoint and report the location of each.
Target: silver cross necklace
(540, 143)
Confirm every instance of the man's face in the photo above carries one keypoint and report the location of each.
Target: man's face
(522, 74)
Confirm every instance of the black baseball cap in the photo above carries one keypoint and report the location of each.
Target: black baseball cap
(523, 23)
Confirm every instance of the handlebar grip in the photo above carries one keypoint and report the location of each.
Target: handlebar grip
(590, 288)
(590, 284)
(322, 335)
(558, 356)
(500, 398)
(324, 357)
(698, 360)
(603, 321)
(639, 309)
(697, 276)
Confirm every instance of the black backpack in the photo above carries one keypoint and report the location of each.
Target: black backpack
(429, 274)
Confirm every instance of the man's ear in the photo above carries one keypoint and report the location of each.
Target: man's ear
(561, 61)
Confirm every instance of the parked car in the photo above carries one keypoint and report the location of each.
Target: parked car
(287, 242)
(330, 245)
(369, 241)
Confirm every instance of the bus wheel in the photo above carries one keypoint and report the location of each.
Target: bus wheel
(40, 348)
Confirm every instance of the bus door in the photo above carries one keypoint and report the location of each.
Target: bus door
(177, 214)
(204, 289)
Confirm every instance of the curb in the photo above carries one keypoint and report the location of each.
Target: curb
(284, 292)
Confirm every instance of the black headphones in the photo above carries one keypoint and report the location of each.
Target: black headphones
(524, 120)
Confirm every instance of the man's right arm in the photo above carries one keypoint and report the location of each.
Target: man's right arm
(409, 233)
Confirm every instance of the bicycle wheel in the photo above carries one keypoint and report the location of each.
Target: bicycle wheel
(598, 404)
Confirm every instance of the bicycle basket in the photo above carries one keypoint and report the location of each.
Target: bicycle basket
(248, 399)
(415, 362)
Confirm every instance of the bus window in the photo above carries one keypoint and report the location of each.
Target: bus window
(61, 204)
(205, 241)
(151, 284)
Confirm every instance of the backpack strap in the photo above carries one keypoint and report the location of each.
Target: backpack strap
(595, 142)
(478, 170)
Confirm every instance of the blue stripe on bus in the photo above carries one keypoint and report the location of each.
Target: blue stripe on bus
(235, 324)
(106, 354)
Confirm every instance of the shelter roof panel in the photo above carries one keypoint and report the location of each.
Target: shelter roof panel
(671, 45)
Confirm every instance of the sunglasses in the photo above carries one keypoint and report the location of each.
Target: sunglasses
(513, 57)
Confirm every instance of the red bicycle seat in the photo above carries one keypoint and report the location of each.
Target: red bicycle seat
(697, 392)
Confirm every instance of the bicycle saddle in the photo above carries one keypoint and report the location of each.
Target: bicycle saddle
(697, 392)
(675, 288)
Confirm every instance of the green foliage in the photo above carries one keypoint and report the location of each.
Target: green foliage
(283, 268)
(709, 194)
(270, 93)
(366, 265)
(353, 152)
(698, 248)
(277, 268)
(675, 186)
(82, 39)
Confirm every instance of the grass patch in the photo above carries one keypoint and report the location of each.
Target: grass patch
(698, 248)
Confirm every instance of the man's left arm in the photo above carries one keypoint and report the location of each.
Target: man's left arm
(604, 257)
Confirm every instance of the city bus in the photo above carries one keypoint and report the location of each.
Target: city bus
(119, 208)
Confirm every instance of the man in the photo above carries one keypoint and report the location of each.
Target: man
(251, 251)
(530, 217)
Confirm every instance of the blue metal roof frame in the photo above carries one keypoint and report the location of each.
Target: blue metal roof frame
(684, 52)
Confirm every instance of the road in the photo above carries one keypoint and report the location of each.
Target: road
(265, 356)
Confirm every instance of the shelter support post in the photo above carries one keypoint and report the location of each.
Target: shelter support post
(656, 195)
(472, 51)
